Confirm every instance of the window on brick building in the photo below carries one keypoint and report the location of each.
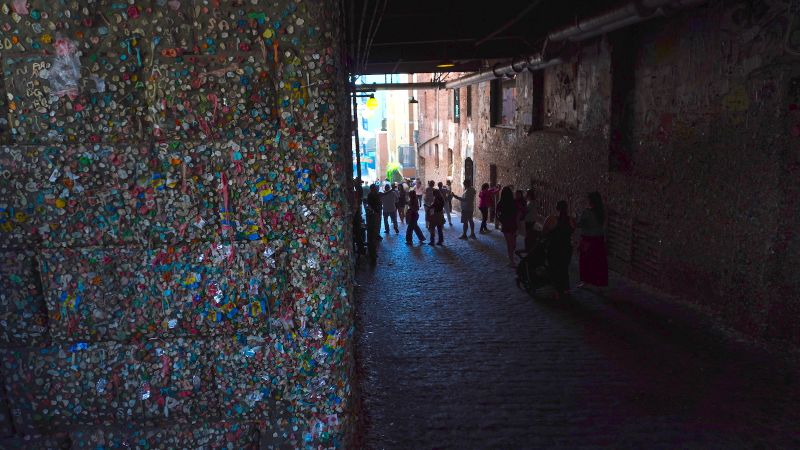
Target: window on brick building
(456, 105)
(503, 102)
(450, 162)
(436, 155)
(469, 101)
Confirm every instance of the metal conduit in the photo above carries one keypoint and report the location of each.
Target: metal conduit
(370, 87)
(615, 19)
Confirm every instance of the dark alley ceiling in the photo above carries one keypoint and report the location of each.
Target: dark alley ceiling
(413, 36)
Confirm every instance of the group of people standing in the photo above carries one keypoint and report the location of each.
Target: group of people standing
(514, 208)
(554, 233)
(399, 201)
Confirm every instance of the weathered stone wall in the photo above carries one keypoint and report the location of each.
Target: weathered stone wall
(173, 242)
(688, 127)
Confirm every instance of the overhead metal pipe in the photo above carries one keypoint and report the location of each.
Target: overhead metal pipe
(632, 13)
(478, 77)
(397, 86)
(609, 21)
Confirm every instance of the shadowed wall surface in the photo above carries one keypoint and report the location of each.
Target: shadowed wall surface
(688, 127)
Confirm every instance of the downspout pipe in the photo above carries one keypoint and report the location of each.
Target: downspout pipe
(632, 13)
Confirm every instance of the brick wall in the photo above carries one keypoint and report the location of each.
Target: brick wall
(173, 250)
(688, 127)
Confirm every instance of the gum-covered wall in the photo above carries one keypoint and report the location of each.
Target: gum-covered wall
(689, 126)
(174, 266)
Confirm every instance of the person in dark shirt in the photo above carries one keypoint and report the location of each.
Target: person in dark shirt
(373, 211)
(436, 219)
(558, 231)
(507, 212)
(411, 219)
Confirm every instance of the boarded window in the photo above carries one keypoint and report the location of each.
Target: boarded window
(503, 102)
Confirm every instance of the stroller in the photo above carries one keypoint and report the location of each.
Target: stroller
(532, 270)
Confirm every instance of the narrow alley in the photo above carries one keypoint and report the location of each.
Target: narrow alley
(453, 355)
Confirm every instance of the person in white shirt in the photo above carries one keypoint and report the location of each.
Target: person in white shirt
(389, 202)
(467, 209)
(447, 195)
(420, 190)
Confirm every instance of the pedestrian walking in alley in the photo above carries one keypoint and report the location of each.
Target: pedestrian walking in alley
(507, 210)
(593, 259)
(485, 200)
(402, 202)
(447, 195)
(420, 190)
(427, 201)
(411, 220)
(558, 229)
(436, 218)
(467, 209)
(389, 203)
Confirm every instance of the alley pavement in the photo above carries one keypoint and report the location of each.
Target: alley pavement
(452, 355)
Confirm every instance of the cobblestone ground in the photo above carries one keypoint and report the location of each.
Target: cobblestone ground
(452, 355)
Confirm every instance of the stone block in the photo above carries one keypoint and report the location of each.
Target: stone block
(88, 195)
(262, 187)
(102, 293)
(100, 25)
(214, 288)
(95, 98)
(79, 384)
(93, 293)
(20, 181)
(244, 378)
(23, 317)
(58, 441)
(213, 98)
(69, 195)
(199, 435)
(177, 381)
(179, 193)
